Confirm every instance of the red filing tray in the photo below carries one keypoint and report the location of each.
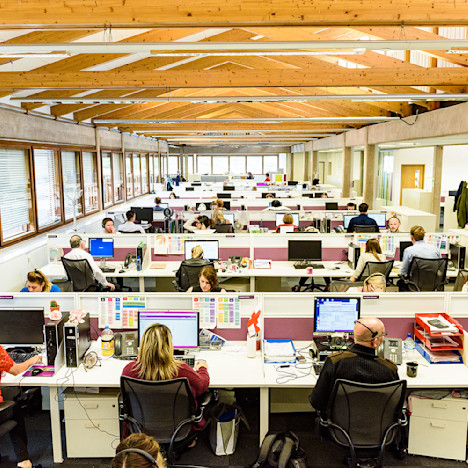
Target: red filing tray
(423, 333)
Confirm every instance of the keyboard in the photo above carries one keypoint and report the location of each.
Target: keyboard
(18, 358)
(318, 366)
(107, 269)
(316, 265)
(189, 360)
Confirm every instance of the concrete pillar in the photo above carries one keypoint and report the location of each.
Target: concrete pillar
(369, 182)
(346, 178)
(181, 161)
(185, 172)
(437, 180)
(290, 166)
(307, 166)
(314, 167)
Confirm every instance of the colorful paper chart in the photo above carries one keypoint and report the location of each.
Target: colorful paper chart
(221, 312)
(120, 312)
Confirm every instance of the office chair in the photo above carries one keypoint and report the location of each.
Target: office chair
(367, 418)
(6, 423)
(460, 281)
(344, 285)
(80, 275)
(377, 267)
(426, 274)
(187, 275)
(223, 228)
(366, 228)
(163, 409)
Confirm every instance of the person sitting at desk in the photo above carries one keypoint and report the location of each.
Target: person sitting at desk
(394, 224)
(157, 202)
(351, 206)
(288, 221)
(202, 223)
(38, 282)
(129, 225)
(218, 219)
(172, 196)
(156, 361)
(276, 205)
(361, 220)
(249, 176)
(324, 195)
(127, 457)
(269, 195)
(78, 252)
(358, 363)
(18, 436)
(267, 178)
(108, 226)
(208, 281)
(377, 282)
(220, 204)
(373, 253)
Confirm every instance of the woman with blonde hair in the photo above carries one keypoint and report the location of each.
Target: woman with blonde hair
(288, 221)
(38, 282)
(373, 253)
(138, 451)
(373, 283)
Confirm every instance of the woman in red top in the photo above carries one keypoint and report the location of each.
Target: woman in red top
(288, 221)
(156, 361)
(18, 435)
(267, 178)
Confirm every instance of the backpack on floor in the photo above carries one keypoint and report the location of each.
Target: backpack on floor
(280, 450)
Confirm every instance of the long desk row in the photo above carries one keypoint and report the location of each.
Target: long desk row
(283, 316)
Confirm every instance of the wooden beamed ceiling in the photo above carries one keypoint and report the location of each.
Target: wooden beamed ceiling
(107, 76)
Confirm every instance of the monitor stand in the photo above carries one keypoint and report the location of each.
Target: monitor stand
(102, 263)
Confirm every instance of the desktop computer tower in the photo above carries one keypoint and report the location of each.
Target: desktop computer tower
(77, 340)
(53, 333)
(354, 252)
(457, 256)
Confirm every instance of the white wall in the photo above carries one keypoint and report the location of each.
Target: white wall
(454, 166)
(299, 166)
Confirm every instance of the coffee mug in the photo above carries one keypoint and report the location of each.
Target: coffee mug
(411, 369)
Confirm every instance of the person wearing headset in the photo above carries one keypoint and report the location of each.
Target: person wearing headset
(38, 282)
(108, 226)
(138, 451)
(202, 223)
(78, 252)
(377, 282)
(358, 363)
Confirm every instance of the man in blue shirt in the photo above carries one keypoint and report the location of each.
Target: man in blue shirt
(157, 202)
(418, 249)
(361, 220)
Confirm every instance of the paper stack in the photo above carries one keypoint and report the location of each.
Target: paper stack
(279, 351)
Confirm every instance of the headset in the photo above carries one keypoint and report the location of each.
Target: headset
(142, 453)
(105, 221)
(374, 275)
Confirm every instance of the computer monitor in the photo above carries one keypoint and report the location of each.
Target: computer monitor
(331, 206)
(229, 217)
(453, 193)
(164, 205)
(196, 184)
(336, 314)
(143, 214)
(101, 247)
(292, 182)
(279, 218)
(183, 325)
(229, 187)
(227, 204)
(202, 206)
(224, 195)
(264, 194)
(22, 326)
(210, 248)
(347, 218)
(318, 194)
(403, 246)
(379, 218)
(304, 250)
(190, 189)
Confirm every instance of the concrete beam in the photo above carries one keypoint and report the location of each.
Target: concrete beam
(332, 142)
(223, 150)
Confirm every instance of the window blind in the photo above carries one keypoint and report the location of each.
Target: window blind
(90, 182)
(70, 183)
(14, 203)
(47, 199)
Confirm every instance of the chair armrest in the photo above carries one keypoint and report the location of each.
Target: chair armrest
(204, 399)
(5, 405)
(176, 286)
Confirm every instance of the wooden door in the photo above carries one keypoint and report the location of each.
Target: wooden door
(412, 176)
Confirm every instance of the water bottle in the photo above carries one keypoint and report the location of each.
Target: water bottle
(107, 342)
(408, 346)
(138, 264)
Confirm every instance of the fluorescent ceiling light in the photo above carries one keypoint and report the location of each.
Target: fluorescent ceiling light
(33, 55)
(150, 48)
(256, 54)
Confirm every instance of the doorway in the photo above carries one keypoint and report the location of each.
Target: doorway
(412, 176)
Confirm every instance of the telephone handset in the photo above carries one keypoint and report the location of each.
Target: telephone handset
(129, 258)
(126, 344)
(392, 349)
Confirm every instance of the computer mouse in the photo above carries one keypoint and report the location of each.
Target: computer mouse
(36, 371)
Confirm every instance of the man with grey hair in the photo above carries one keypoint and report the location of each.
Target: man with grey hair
(78, 252)
(358, 363)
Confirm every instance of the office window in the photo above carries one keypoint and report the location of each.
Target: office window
(270, 163)
(282, 162)
(152, 180)
(47, 180)
(71, 184)
(237, 165)
(129, 174)
(220, 164)
(136, 175)
(144, 174)
(15, 194)
(156, 168)
(189, 168)
(91, 191)
(172, 165)
(107, 179)
(204, 164)
(254, 164)
(118, 172)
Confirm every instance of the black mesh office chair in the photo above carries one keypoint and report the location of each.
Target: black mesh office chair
(366, 228)
(366, 418)
(6, 423)
(460, 281)
(344, 285)
(80, 275)
(164, 409)
(187, 275)
(376, 267)
(223, 228)
(427, 274)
